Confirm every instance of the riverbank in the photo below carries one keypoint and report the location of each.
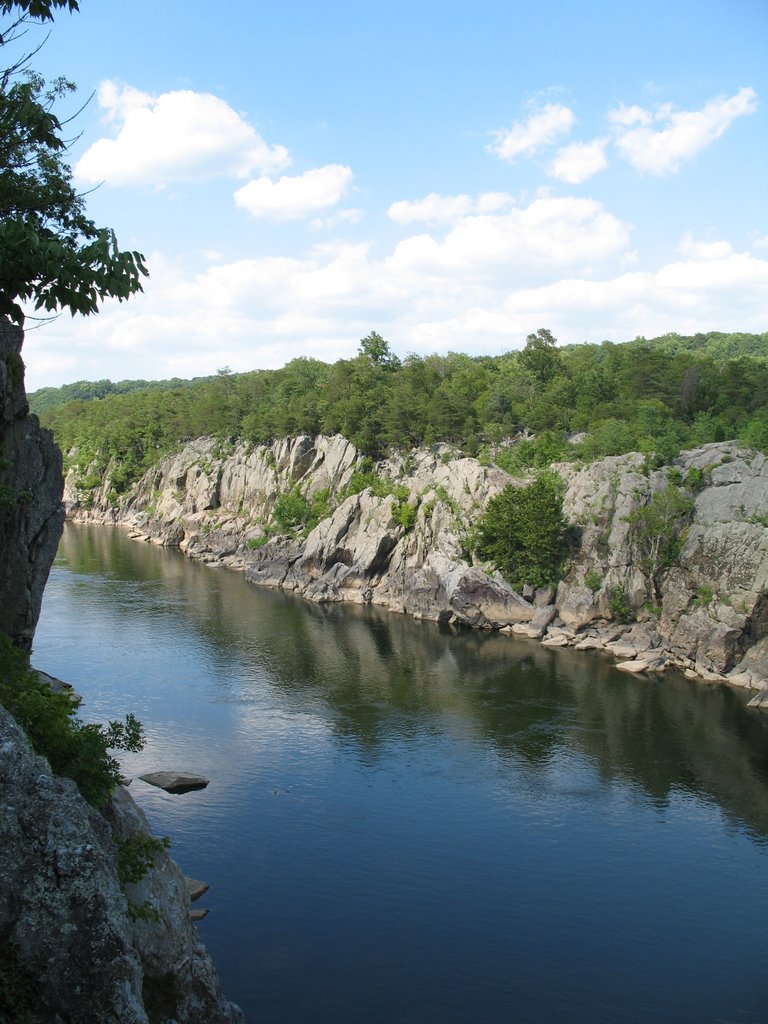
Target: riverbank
(217, 503)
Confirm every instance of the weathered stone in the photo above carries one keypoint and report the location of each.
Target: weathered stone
(760, 701)
(559, 640)
(175, 782)
(76, 954)
(196, 889)
(622, 650)
(589, 643)
(576, 605)
(179, 979)
(61, 907)
(642, 665)
(543, 617)
(31, 512)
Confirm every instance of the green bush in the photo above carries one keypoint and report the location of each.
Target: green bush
(593, 580)
(254, 543)
(294, 510)
(522, 532)
(405, 515)
(704, 596)
(618, 604)
(75, 749)
(658, 533)
(291, 510)
(136, 854)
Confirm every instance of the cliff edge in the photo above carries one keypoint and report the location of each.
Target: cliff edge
(73, 949)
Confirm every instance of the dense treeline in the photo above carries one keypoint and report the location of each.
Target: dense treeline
(655, 396)
(46, 399)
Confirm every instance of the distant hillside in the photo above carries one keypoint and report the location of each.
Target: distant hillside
(84, 390)
(715, 344)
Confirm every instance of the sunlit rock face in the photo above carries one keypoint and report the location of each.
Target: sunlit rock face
(31, 512)
(217, 503)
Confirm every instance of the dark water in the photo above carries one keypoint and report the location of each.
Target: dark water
(409, 824)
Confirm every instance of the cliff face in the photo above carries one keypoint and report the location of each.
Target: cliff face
(71, 950)
(31, 512)
(218, 504)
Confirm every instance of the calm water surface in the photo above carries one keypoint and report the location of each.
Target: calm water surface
(410, 824)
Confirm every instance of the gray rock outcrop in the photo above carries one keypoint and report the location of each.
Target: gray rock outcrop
(31, 510)
(708, 611)
(70, 949)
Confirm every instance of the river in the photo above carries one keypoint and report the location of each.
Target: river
(408, 824)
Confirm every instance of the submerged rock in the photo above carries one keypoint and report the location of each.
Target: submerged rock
(175, 782)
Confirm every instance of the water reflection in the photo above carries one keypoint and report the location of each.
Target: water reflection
(408, 823)
(371, 674)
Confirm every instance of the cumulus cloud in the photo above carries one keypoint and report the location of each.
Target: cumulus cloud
(685, 296)
(550, 232)
(177, 136)
(689, 246)
(542, 128)
(321, 303)
(579, 161)
(660, 141)
(437, 209)
(291, 198)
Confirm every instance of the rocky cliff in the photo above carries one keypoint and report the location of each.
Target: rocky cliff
(72, 950)
(31, 512)
(706, 614)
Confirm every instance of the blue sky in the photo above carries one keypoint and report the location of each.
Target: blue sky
(452, 175)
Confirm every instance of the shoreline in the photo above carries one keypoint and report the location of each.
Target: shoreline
(628, 644)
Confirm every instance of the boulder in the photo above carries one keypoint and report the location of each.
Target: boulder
(196, 889)
(175, 782)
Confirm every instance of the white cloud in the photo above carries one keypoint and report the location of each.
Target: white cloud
(579, 161)
(688, 246)
(660, 141)
(542, 128)
(177, 136)
(627, 116)
(291, 198)
(478, 285)
(437, 209)
(352, 215)
(685, 296)
(550, 232)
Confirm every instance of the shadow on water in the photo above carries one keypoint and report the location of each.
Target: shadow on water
(372, 673)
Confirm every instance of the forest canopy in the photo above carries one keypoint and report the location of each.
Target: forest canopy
(655, 396)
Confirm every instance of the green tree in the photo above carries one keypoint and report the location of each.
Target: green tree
(51, 254)
(658, 533)
(540, 355)
(523, 532)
